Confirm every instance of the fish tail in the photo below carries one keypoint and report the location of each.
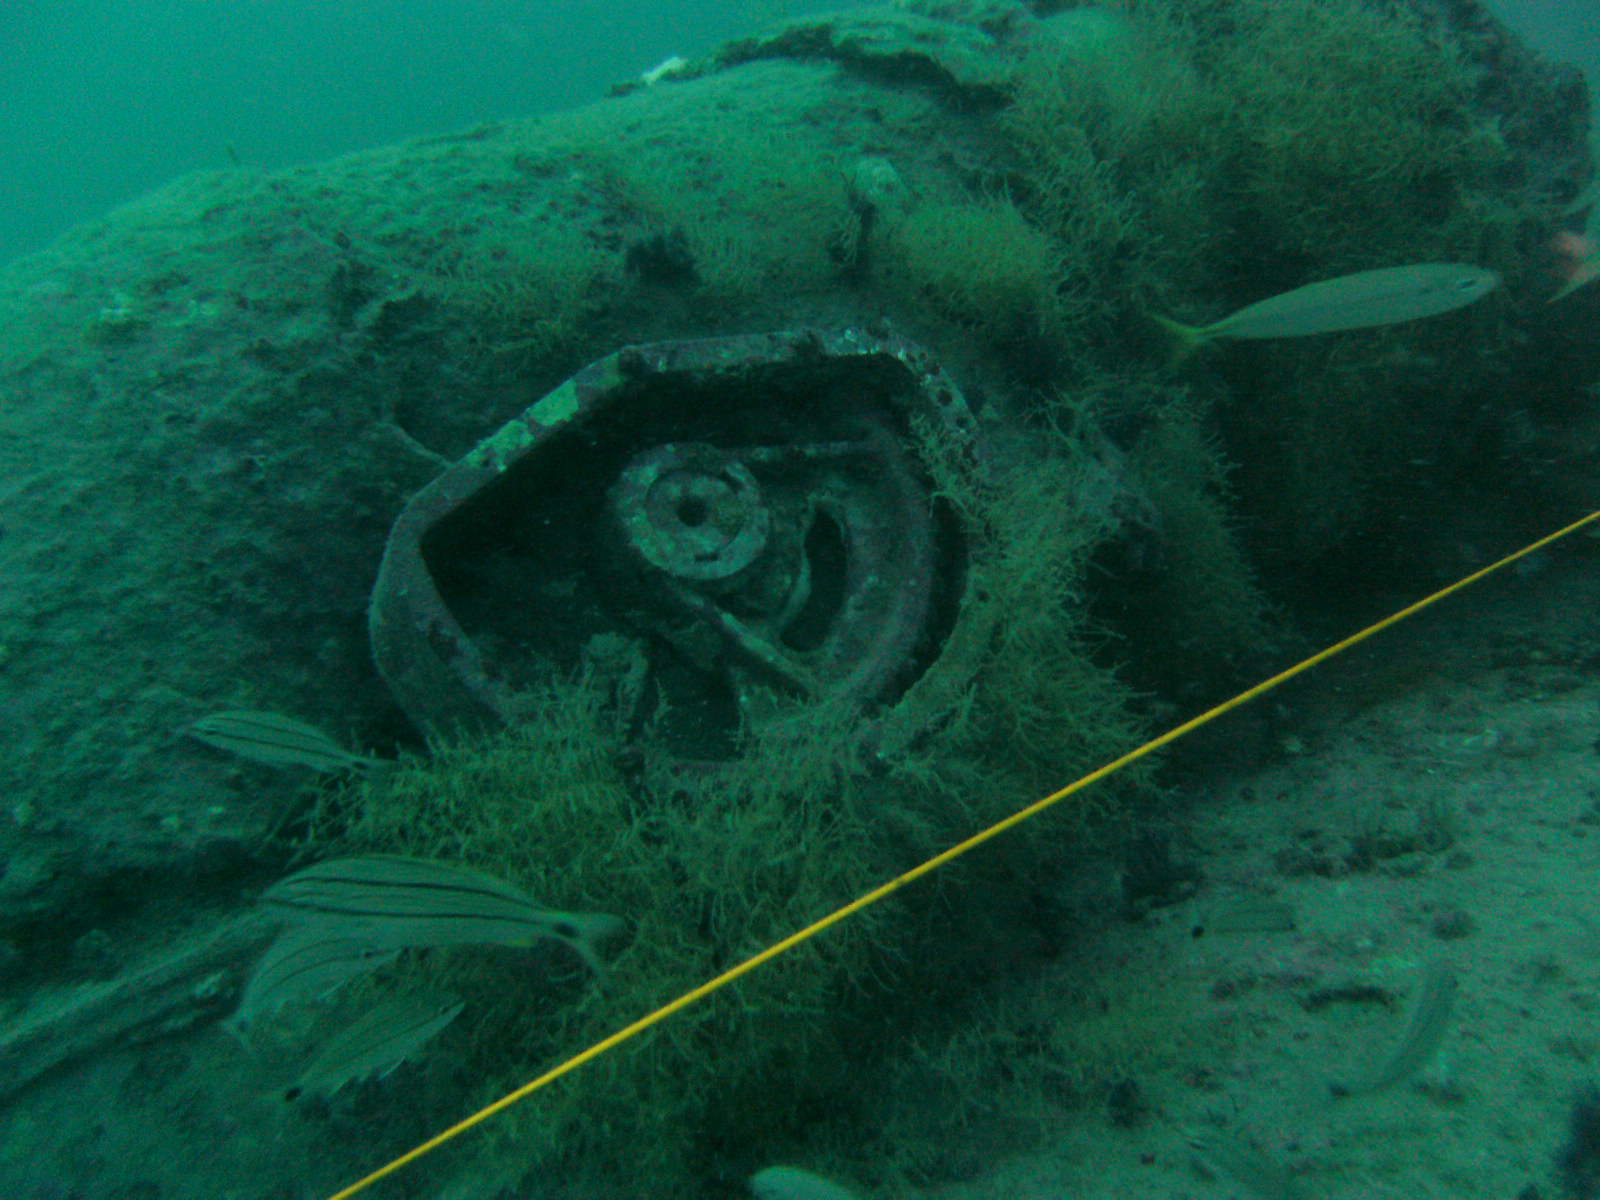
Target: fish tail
(1573, 282)
(1186, 339)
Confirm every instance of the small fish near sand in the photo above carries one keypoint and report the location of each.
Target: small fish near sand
(1386, 296)
(1430, 1021)
(278, 741)
(391, 901)
(374, 1044)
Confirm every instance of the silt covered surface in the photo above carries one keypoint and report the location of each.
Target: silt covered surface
(212, 397)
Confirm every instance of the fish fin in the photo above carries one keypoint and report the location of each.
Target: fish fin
(238, 1027)
(1186, 339)
(1575, 281)
(1584, 199)
(597, 930)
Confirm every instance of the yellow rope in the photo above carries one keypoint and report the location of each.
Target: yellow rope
(934, 863)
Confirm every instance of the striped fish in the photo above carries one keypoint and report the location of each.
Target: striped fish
(1430, 1021)
(278, 741)
(395, 902)
(306, 962)
(376, 1043)
(1385, 296)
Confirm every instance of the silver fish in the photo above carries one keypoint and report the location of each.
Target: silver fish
(396, 901)
(1385, 296)
(278, 741)
(376, 1043)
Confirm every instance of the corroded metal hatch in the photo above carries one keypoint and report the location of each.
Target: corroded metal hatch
(716, 524)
